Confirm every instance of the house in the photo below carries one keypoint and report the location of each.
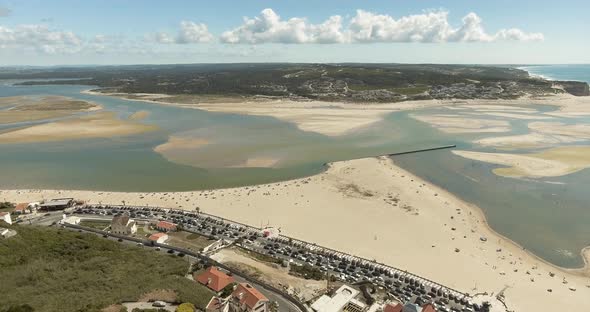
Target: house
(166, 226)
(21, 208)
(246, 298)
(6, 233)
(342, 300)
(409, 307)
(159, 238)
(5, 216)
(57, 204)
(215, 279)
(71, 220)
(217, 304)
(122, 224)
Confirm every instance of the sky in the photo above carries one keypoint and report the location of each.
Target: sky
(86, 32)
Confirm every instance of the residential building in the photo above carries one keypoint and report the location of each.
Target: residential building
(21, 208)
(166, 226)
(215, 279)
(217, 304)
(246, 298)
(5, 216)
(122, 224)
(159, 238)
(342, 300)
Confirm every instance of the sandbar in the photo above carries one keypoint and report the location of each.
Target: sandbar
(34, 108)
(97, 125)
(553, 162)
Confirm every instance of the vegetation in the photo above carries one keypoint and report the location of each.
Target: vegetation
(186, 307)
(307, 271)
(6, 206)
(99, 225)
(192, 83)
(43, 267)
(227, 290)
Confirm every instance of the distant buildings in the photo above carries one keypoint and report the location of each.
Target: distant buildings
(21, 208)
(246, 298)
(122, 224)
(57, 204)
(214, 279)
(166, 226)
(5, 216)
(343, 300)
(159, 238)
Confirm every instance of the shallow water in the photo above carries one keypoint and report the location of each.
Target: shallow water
(550, 219)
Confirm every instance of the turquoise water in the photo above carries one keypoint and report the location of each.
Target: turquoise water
(550, 219)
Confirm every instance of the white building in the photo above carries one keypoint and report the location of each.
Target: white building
(121, 224)
(70, 220)
(5, 216)
(343, 300)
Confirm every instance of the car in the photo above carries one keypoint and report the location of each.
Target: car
(170, 251)
(120, 240)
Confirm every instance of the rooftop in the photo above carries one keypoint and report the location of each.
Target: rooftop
(213, 278)
(157, 236)
(166, 225)
(248, 295)
(343, 296)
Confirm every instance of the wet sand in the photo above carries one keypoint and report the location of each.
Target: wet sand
(28, 108)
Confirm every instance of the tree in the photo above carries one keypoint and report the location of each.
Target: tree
(186, 307)
(227, 290)
(273, 307)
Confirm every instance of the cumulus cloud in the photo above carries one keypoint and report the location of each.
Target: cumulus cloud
(189, 32)
(41, 38)
(268, 27)
(367, 27)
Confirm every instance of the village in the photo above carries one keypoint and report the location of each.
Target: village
(253, 269)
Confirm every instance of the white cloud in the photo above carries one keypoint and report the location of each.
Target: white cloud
(40, 38)
(189, 32)
(367, 27)
(269, 28)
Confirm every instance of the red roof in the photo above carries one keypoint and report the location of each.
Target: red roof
(21, 207)
(3, 214)
(166, 225)
(428, 308)
(157, 236)
(214, 279)
(214, 304)
(249, 295)
(393, 308)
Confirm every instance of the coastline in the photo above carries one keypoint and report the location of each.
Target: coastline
(477, 262)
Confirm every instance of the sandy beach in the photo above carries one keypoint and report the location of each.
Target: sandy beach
(372, 208)
(28, 108)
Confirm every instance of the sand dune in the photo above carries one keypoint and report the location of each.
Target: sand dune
(396, 218)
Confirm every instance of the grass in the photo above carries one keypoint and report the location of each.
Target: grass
(47, 268)
(99, 225)
(188, 240)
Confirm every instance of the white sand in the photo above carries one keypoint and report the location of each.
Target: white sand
(416, 233)
(550, 163)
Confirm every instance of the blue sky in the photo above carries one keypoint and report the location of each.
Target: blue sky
(36, 32)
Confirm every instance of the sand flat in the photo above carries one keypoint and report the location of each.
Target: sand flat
(463, 124)
(412, 232)
(98, 125)
(36, 108)
(554, 162)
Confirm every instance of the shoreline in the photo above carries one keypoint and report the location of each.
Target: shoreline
(474, 261)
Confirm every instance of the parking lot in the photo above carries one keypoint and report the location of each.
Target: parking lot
(401, 285)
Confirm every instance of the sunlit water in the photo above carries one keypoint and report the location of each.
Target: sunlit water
(550, 219)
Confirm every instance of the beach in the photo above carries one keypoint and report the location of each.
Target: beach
(372, 208)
